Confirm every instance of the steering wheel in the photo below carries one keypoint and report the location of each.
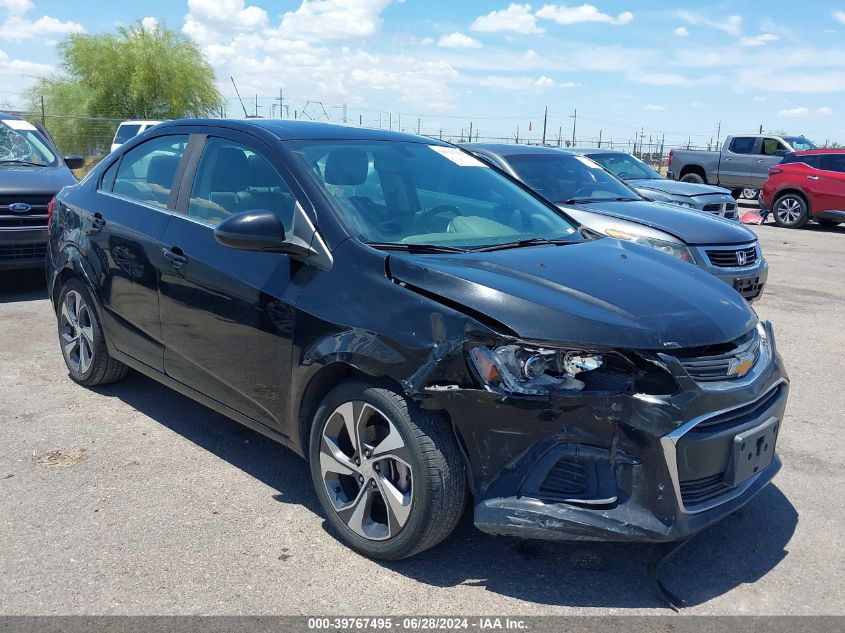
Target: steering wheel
(423, 217)
(623, 175)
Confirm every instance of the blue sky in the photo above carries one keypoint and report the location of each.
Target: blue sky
(674, 68)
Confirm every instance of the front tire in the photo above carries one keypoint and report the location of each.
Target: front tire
(790, 211)
(388, 475)
(82, 341)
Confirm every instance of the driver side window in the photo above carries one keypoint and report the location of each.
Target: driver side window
(771, 146)
(232, 178)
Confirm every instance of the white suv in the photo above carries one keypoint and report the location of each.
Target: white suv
(129, 129)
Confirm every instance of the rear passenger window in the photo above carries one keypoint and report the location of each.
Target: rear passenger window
(742, 145)
(771, 147)
(232, 178)
(832, 162)
(146, 172)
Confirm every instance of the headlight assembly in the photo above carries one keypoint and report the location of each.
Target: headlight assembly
(670, 248)
(531, 371)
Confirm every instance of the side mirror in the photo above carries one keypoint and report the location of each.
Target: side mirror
(258, 230)
(74, 161)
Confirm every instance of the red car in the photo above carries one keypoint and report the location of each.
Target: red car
(807, 185)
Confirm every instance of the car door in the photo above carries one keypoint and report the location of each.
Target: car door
(227, 315)
(830, 184)
(768, 151)
(736, 160)
(125, 223)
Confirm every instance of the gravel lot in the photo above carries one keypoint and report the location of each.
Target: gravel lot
(133, 499)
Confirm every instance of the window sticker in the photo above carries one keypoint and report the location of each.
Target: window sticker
(17, 124)
(458, 157)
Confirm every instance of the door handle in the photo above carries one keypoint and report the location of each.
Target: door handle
(760, 160)
(812, 177)
(175, 256)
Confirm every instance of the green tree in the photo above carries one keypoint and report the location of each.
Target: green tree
(136, 73)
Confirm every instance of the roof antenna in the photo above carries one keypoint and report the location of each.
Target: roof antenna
(239, 96)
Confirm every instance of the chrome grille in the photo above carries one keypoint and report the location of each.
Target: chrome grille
(716, 362)
(35, 217)
(734, 257)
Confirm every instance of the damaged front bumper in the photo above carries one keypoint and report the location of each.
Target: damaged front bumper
(619, 467)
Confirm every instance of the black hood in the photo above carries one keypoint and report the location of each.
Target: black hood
(603, 293)
(688, 225)
(679, 187)
(34, 180)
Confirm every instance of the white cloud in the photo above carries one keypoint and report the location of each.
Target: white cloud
(16, 74)
(804, 111)
(681, 31)
(651, 107)
(18, 29)
(426, 41)
(212, 20)
(16, 7)
(758, 40)
(839, 16)
(732, 25)
(149, 23)
(522, 84)
(794, 112)
(562, 14)
(517, 18)
(333, 19)
(458, 40)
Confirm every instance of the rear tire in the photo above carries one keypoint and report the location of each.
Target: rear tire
(736, 193)
(693, 178)
(790, 211)
(82, 341)
(400, 487)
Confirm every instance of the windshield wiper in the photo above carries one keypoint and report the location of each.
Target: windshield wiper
(415, 248)
(13, 161)
(531, 241)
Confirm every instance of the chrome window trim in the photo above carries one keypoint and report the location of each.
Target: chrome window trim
(669, 444)
(144, 204)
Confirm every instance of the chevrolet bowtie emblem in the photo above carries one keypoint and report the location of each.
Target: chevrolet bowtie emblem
(741, 365)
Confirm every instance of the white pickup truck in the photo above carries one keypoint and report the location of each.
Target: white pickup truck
(743, 162)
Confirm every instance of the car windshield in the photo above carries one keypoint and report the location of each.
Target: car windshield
(568, 178)
(413, 194)
(21, 143)
(625, 166)
(800, 143)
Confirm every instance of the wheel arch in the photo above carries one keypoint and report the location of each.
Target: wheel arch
(693, 169)
(318, 387)
(795, 191)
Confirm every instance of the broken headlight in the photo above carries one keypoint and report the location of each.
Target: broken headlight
(531, 370)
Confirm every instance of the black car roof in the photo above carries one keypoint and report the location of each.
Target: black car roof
(288, 130)
(512, 149)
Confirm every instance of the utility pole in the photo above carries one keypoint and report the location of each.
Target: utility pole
(418, 127)
(256, 106)
(559, 135)
(516, 140)
(360, 120)
(379, 119)
(718, 134)
(344, 113)
(470, 131)
(390, 120)
(399, 121)
(281, 100)
(574, 121)
(43, 123)
(545, 120)
(761, 129)
(239, 95)
(600, 139)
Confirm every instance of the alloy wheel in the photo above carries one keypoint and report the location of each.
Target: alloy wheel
(77, 332)
(749, 194)
(788, 210)
(366, 468)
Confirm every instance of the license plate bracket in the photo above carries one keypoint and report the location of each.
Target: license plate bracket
(753, 451)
